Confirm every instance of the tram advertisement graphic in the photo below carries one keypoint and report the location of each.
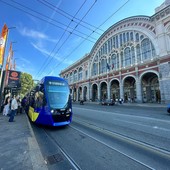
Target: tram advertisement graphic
(14, 78)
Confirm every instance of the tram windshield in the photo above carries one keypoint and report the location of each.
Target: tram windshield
(57, 94)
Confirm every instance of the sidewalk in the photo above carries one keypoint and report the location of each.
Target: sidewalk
(18, 146)
(130, 104)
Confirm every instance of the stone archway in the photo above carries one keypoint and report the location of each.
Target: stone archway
(94, 92)
(79, 93)
(114, 90)
(150, 88)
(103, 91)
(85, 93)
(129, 89)
(74, 94)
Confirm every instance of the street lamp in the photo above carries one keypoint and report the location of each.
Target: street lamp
(1, 75)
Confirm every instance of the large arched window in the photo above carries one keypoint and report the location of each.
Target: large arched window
(146, 49)
(131, 36)
(133, 55)
(136, 47)
(80, 74)
(127, 54)
(109, 45)
(121, 40)
(127, 36)
(66, 77)
(138, 53)
(75, 76)
(137, 37)
(103, 66)
(153, 51)
(94, 70)
(122, 59)
(114, 62)
(71, 77)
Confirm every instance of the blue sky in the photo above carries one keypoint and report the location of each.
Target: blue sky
(52, 34)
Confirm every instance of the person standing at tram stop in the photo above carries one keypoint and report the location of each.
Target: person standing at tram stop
(14, 107)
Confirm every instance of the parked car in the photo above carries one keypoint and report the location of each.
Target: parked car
(107, 102)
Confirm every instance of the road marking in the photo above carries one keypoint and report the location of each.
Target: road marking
(123, 115)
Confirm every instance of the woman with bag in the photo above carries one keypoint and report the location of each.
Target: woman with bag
(6, 107)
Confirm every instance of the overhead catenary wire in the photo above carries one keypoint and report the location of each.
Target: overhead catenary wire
(45, 20)
(41, 14)
(20, 9)
(48, 60)
(87, 37)
(72, 31)
(62, 28)
(69, 16)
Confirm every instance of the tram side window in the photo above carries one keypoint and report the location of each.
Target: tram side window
(39, 97)
(32, 99)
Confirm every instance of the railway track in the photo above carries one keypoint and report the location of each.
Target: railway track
(140, 154)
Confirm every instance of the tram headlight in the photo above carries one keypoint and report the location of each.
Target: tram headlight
(69, 110)
(52, 111)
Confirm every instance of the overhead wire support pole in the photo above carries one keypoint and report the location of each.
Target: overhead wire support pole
(1, 75)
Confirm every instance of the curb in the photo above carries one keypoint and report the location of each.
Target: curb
(128, 104)
(36, 156)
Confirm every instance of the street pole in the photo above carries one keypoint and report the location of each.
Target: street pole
(1, 75)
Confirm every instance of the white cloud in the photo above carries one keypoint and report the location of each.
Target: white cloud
(39, 48)
(47, 53)
(36, 35)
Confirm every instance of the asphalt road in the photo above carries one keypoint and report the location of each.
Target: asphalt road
(108, 137)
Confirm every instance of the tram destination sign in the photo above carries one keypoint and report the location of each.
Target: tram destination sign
(56, 83)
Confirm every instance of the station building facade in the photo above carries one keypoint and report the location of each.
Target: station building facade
(131, 60)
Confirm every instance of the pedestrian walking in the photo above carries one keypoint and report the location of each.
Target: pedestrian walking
(14, 107)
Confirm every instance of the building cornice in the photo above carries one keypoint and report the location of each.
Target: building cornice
(161, 14)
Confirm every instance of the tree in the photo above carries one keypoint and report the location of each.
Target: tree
(27, 83)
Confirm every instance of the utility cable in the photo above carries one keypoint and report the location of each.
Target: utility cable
(89, 35)
(46, 64)
(67, 15)
(20, 9)
(74, 28)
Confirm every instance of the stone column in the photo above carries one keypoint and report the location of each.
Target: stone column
(108, 91)
(98, 89)
(138, 91)
(82, 93)
(121, 90)
(90, 91)
(77, 94)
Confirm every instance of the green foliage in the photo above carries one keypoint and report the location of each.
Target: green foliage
(27, 83)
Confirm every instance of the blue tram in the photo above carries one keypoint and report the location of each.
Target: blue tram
(49, 103)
